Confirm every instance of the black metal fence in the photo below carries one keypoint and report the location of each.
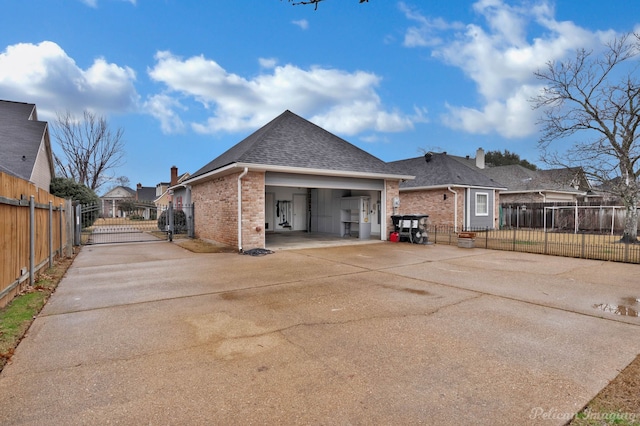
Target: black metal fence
(580, 245)
(144, 222)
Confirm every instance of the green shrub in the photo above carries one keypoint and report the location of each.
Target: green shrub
(179, 221)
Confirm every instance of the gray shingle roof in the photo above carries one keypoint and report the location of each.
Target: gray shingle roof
(518, 178)
(146, 193)
(291, 141)
(441, 170)
(20, 138)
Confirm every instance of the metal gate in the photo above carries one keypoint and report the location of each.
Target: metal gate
(140, 222)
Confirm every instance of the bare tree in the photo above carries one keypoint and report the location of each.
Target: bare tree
(315, 2)
(594, 99)
(90, 149)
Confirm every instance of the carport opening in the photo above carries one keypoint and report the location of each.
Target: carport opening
(321, 216)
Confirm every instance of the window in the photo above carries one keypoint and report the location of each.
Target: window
(482, 204)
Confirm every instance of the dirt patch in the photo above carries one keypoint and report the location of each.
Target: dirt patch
(200, 246)
(616, 404)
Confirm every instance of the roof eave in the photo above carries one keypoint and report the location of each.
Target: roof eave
(432, 187)
(548, 191)
(234, 167)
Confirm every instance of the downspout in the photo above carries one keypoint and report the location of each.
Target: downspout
(243, 174)
(455, 209)
(544, 197)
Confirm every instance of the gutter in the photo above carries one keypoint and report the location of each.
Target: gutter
(229, 168)
(243, 174)
(455, 209)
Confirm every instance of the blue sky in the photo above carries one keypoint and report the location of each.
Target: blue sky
(186, 79)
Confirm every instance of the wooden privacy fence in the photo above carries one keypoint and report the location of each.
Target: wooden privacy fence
(577, 217)
(35, 228)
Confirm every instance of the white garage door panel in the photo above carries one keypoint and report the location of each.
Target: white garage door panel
(313, 181)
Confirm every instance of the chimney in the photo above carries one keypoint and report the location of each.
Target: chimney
(480, 158)
(174, 176)
(139, 186)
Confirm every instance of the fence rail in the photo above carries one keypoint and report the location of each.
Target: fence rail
(580, 245)
(35, 228)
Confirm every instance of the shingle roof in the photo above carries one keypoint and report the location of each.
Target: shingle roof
(441, 170)
(146, 193)
(291, 141)
(20, 138)
(518, 178)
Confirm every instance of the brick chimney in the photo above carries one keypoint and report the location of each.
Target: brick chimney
(480, 158)
(174, 176)
(139, 186)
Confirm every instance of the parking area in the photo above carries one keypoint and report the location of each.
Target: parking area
(382, 333)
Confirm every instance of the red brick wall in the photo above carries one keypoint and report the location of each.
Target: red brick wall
(441, 212)
(216, 210)
(253, 211)
(392, 189)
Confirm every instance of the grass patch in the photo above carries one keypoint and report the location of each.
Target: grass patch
(17, 316)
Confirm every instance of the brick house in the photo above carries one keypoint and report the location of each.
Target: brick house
(173, 191)
(291, 175)
(451, 190)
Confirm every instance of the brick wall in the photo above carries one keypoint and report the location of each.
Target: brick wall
(441, 212)
(216, 210)
(392, 190)
(253, 211)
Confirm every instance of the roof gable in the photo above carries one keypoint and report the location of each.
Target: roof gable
(441, 170)
(120, 192)
(291, 141)
(21, 138)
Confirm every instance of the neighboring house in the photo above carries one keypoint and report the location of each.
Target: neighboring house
(292, 175)
(539, 186)
(25, 147)
(112, 200)
(173, 191)
(145, 207)
(451, 190)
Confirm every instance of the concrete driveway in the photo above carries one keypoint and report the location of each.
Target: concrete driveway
(368, 334)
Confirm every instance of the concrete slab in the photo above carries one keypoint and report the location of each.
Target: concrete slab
(369, 334)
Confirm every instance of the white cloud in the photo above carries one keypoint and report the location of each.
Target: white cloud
(428, 30)
(501, 57)
(268, 62)
(302, 23)
(162, 107)
(45, 75)
(94, 3)
(337, 100)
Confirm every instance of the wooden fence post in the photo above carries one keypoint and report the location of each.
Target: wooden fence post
(61, 236)
(50, 234)
(32, 239)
